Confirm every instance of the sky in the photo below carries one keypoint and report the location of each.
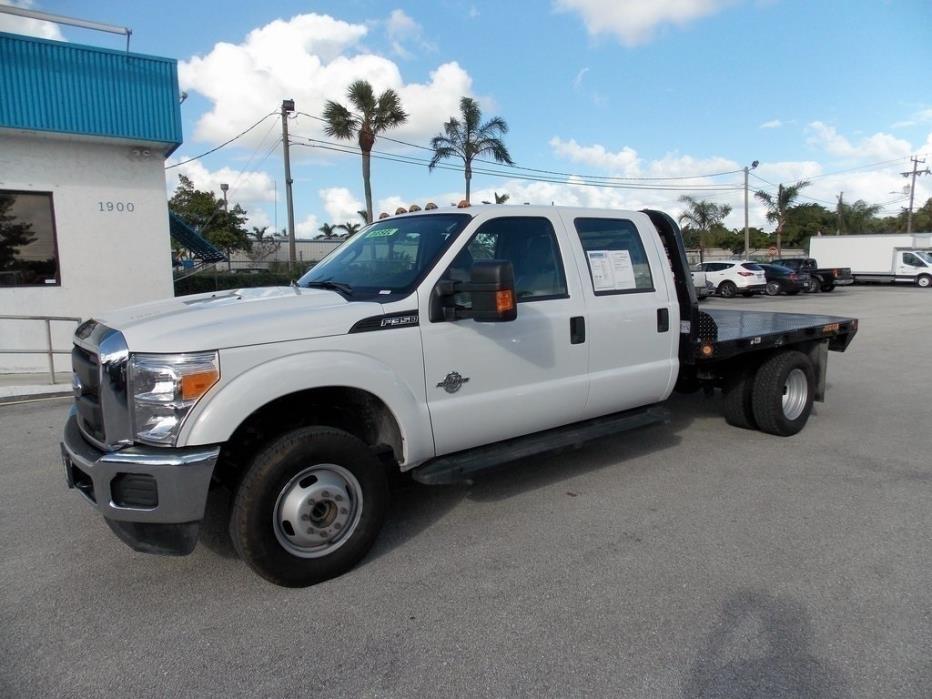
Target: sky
(652, 99)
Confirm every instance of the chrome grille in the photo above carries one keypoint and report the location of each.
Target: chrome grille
(99, 361)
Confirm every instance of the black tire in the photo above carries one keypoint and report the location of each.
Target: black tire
(727, 289)
(737, 405)
(252, 520)
(924, 281)
(771, 381)
(813, 287)
(772, 288)
(828, 287)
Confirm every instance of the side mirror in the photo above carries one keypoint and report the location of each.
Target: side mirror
(492, 287)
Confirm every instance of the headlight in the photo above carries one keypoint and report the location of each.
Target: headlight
(164, 389)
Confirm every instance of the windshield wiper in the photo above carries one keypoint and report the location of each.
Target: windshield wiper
(330, 284)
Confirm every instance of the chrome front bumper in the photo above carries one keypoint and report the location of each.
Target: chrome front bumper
(175, 486)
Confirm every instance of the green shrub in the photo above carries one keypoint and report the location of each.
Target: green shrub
(218, 281)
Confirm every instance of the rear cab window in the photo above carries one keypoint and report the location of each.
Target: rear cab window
(615, 256)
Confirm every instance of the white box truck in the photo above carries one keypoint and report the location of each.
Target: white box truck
(878, 258)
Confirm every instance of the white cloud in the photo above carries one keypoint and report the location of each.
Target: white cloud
(922, 116)
(625, 161)
(577, 81)
(311, 58)
(307, 228)
(635, 21)
(27, 26)
(402, 30)
(772, 124)
(880, 146)
(246, 188)
(340, 204)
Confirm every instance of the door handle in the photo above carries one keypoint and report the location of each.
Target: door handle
(577, 330)
(663, 320)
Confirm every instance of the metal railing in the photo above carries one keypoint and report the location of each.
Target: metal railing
(49, 350)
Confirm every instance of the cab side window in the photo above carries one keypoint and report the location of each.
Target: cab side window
(529, 243)
(911, 260)
(615, 254)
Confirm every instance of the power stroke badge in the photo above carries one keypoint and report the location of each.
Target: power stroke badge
(452, 382)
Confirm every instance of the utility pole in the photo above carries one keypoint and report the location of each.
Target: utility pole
(747, 234)
(288, 107)
(912, 190)
(838, 223)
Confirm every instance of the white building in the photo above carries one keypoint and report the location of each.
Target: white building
(84, 133)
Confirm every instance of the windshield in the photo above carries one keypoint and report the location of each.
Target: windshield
(927, 256)
(388, 257)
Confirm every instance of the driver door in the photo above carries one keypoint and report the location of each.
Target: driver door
(492, 381)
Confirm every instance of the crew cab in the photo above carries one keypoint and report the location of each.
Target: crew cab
(438, 343)
(820, 278)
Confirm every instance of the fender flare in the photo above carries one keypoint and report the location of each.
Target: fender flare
(214, 420)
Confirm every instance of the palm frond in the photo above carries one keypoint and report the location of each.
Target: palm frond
(340, 122)
(361, 95)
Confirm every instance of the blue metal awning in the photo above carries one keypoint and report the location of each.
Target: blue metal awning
(192, 241)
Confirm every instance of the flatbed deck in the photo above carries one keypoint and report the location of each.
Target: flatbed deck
(723, 333)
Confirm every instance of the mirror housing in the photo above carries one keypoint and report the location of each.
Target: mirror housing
(491, 286)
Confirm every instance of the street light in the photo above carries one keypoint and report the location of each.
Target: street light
(224, 188)
(747, 234)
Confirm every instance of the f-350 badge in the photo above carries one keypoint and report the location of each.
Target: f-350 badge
(452, 382)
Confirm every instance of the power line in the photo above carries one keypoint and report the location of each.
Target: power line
(573, 179)
(222, 145)
(552, 172)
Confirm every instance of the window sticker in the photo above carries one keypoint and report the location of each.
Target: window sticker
(382, 233)
(611, 270)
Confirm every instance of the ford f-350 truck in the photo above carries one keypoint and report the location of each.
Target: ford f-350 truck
(439, 343)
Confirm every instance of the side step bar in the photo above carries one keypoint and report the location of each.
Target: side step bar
(458, 467)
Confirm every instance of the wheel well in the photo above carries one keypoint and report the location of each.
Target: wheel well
(353, 410)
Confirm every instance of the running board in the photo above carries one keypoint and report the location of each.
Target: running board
(458, 467)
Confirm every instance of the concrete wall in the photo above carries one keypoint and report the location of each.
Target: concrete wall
(107, 259)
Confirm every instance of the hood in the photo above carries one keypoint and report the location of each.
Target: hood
(235, 318)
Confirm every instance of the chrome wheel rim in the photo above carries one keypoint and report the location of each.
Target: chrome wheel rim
(317, 511)
(924, 281)
(773, 289)
(795, 393)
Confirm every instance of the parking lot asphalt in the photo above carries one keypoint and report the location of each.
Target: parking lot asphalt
(693, 559)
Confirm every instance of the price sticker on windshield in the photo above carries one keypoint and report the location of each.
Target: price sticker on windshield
(382, 233)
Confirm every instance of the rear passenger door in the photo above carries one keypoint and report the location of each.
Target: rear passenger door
(632, 320)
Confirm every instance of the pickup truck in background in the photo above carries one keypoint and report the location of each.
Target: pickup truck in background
(440, 344)
(885, 258)
(820, 278)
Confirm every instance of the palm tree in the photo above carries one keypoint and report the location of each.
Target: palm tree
(777, 206)
(328, 230)
(499, 198)
(702, 216)
(470, 139)
(373, 115)
(364, 215)
(853, 218)
(350, 228)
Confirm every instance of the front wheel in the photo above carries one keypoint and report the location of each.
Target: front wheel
(727, 289)
(309, 507)
(784, 388)
(924, 281)
(772, 289)
(813, 286)
(828, 287)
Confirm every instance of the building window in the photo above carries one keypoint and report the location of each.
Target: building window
(28, 248)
